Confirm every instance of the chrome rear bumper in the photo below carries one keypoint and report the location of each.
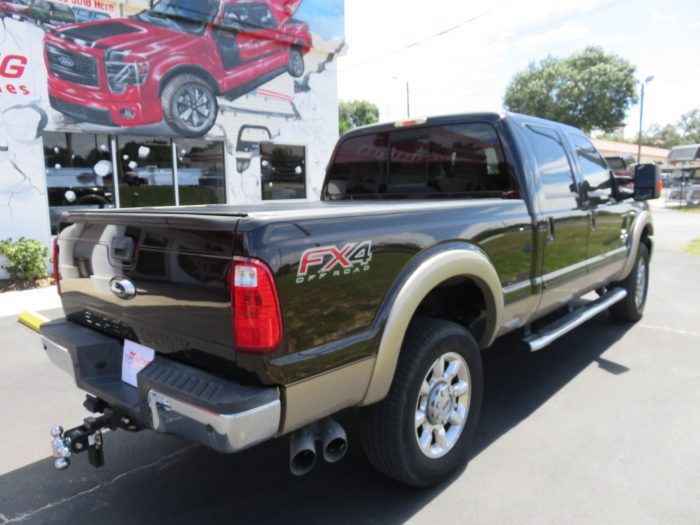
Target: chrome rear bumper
(171, 397)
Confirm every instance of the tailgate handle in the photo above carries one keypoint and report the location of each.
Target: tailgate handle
(123, 249)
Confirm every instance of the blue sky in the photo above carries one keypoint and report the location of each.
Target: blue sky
(325, 17)
(469, 66)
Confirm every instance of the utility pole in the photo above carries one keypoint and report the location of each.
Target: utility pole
(408, 96)
(408, 101)
(641, 117)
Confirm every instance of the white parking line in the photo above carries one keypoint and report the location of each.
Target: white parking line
(668, 329)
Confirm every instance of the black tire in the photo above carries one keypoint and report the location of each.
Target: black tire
(631, 308)
(189, 105)
(390, 435)
(295, 66)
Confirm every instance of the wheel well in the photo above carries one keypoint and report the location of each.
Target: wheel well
(459, 300)
(193, 70)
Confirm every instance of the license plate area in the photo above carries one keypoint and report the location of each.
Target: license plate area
(135, 357)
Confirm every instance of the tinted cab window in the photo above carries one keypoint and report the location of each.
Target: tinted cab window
(461, 160)
(597, 182)
(556, 177)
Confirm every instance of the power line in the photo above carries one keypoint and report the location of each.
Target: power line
(535, 30)
(425, 40)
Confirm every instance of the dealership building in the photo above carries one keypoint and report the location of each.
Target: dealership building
(107, 104)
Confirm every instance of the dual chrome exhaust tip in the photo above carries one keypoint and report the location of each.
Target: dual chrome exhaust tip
(302, 445)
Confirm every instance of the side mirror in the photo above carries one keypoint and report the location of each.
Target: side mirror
(647, 182)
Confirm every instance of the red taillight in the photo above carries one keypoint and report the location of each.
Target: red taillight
(257, 319)
(56, 274)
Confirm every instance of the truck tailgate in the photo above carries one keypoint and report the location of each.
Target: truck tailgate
(177, 266)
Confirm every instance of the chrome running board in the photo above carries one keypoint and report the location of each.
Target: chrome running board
(565, 324)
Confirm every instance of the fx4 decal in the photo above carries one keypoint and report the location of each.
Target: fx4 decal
(333, 261)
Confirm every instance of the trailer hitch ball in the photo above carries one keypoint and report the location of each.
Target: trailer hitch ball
(61, 463)
(61, 448)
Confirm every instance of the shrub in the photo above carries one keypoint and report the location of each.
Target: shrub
(26, 259)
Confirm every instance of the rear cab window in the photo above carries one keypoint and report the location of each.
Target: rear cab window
(458, 160)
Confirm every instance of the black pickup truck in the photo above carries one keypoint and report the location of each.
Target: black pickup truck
(230, 325)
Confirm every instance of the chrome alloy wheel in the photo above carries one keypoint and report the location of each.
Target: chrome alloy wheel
(195, 106)
(641, 288)
(443, 405)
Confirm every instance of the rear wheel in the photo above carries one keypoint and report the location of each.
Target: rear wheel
(631, 308)
(189, 105)
(420, 434)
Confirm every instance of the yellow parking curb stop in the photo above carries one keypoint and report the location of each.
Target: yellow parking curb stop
(32, 320)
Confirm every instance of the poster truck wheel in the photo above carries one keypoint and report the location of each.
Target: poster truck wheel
(189, 105)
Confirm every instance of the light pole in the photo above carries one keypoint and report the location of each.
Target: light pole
(641, 117)
(408, 97)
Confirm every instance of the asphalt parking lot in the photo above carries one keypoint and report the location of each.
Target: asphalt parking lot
(601, 427)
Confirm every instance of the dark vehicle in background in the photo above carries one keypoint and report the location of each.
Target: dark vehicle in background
(18, 9)
(623, 171)
(620, 167)
(88, 15)
(230, 325)
(172, 61)
(48, 13)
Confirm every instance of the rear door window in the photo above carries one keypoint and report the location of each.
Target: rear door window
(597, 183)
(553, 168)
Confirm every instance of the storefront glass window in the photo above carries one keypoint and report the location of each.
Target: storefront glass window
(283, 171)
(200, 172)
(145, 171)
(79, 173)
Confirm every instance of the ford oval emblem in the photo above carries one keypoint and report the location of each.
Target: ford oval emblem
(66, 61)
(122, 287)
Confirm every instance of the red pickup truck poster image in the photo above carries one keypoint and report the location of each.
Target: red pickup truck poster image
(170, 63)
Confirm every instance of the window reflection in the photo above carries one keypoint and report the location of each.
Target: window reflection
(200, 172)
(79, 173)
(145, 172)
(283, 171)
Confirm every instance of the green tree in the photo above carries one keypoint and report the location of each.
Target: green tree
(690, 126)
(589, 90)
(356, 113)
(662, 136)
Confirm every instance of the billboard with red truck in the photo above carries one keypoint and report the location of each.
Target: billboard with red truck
(171, 62)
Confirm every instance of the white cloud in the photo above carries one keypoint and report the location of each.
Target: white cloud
(664, 18)
(615, 39)
(566, 33)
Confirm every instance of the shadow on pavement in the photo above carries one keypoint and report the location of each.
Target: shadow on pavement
(153, 478)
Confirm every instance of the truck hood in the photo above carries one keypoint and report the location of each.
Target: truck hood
(126, 33)
(284, 9)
